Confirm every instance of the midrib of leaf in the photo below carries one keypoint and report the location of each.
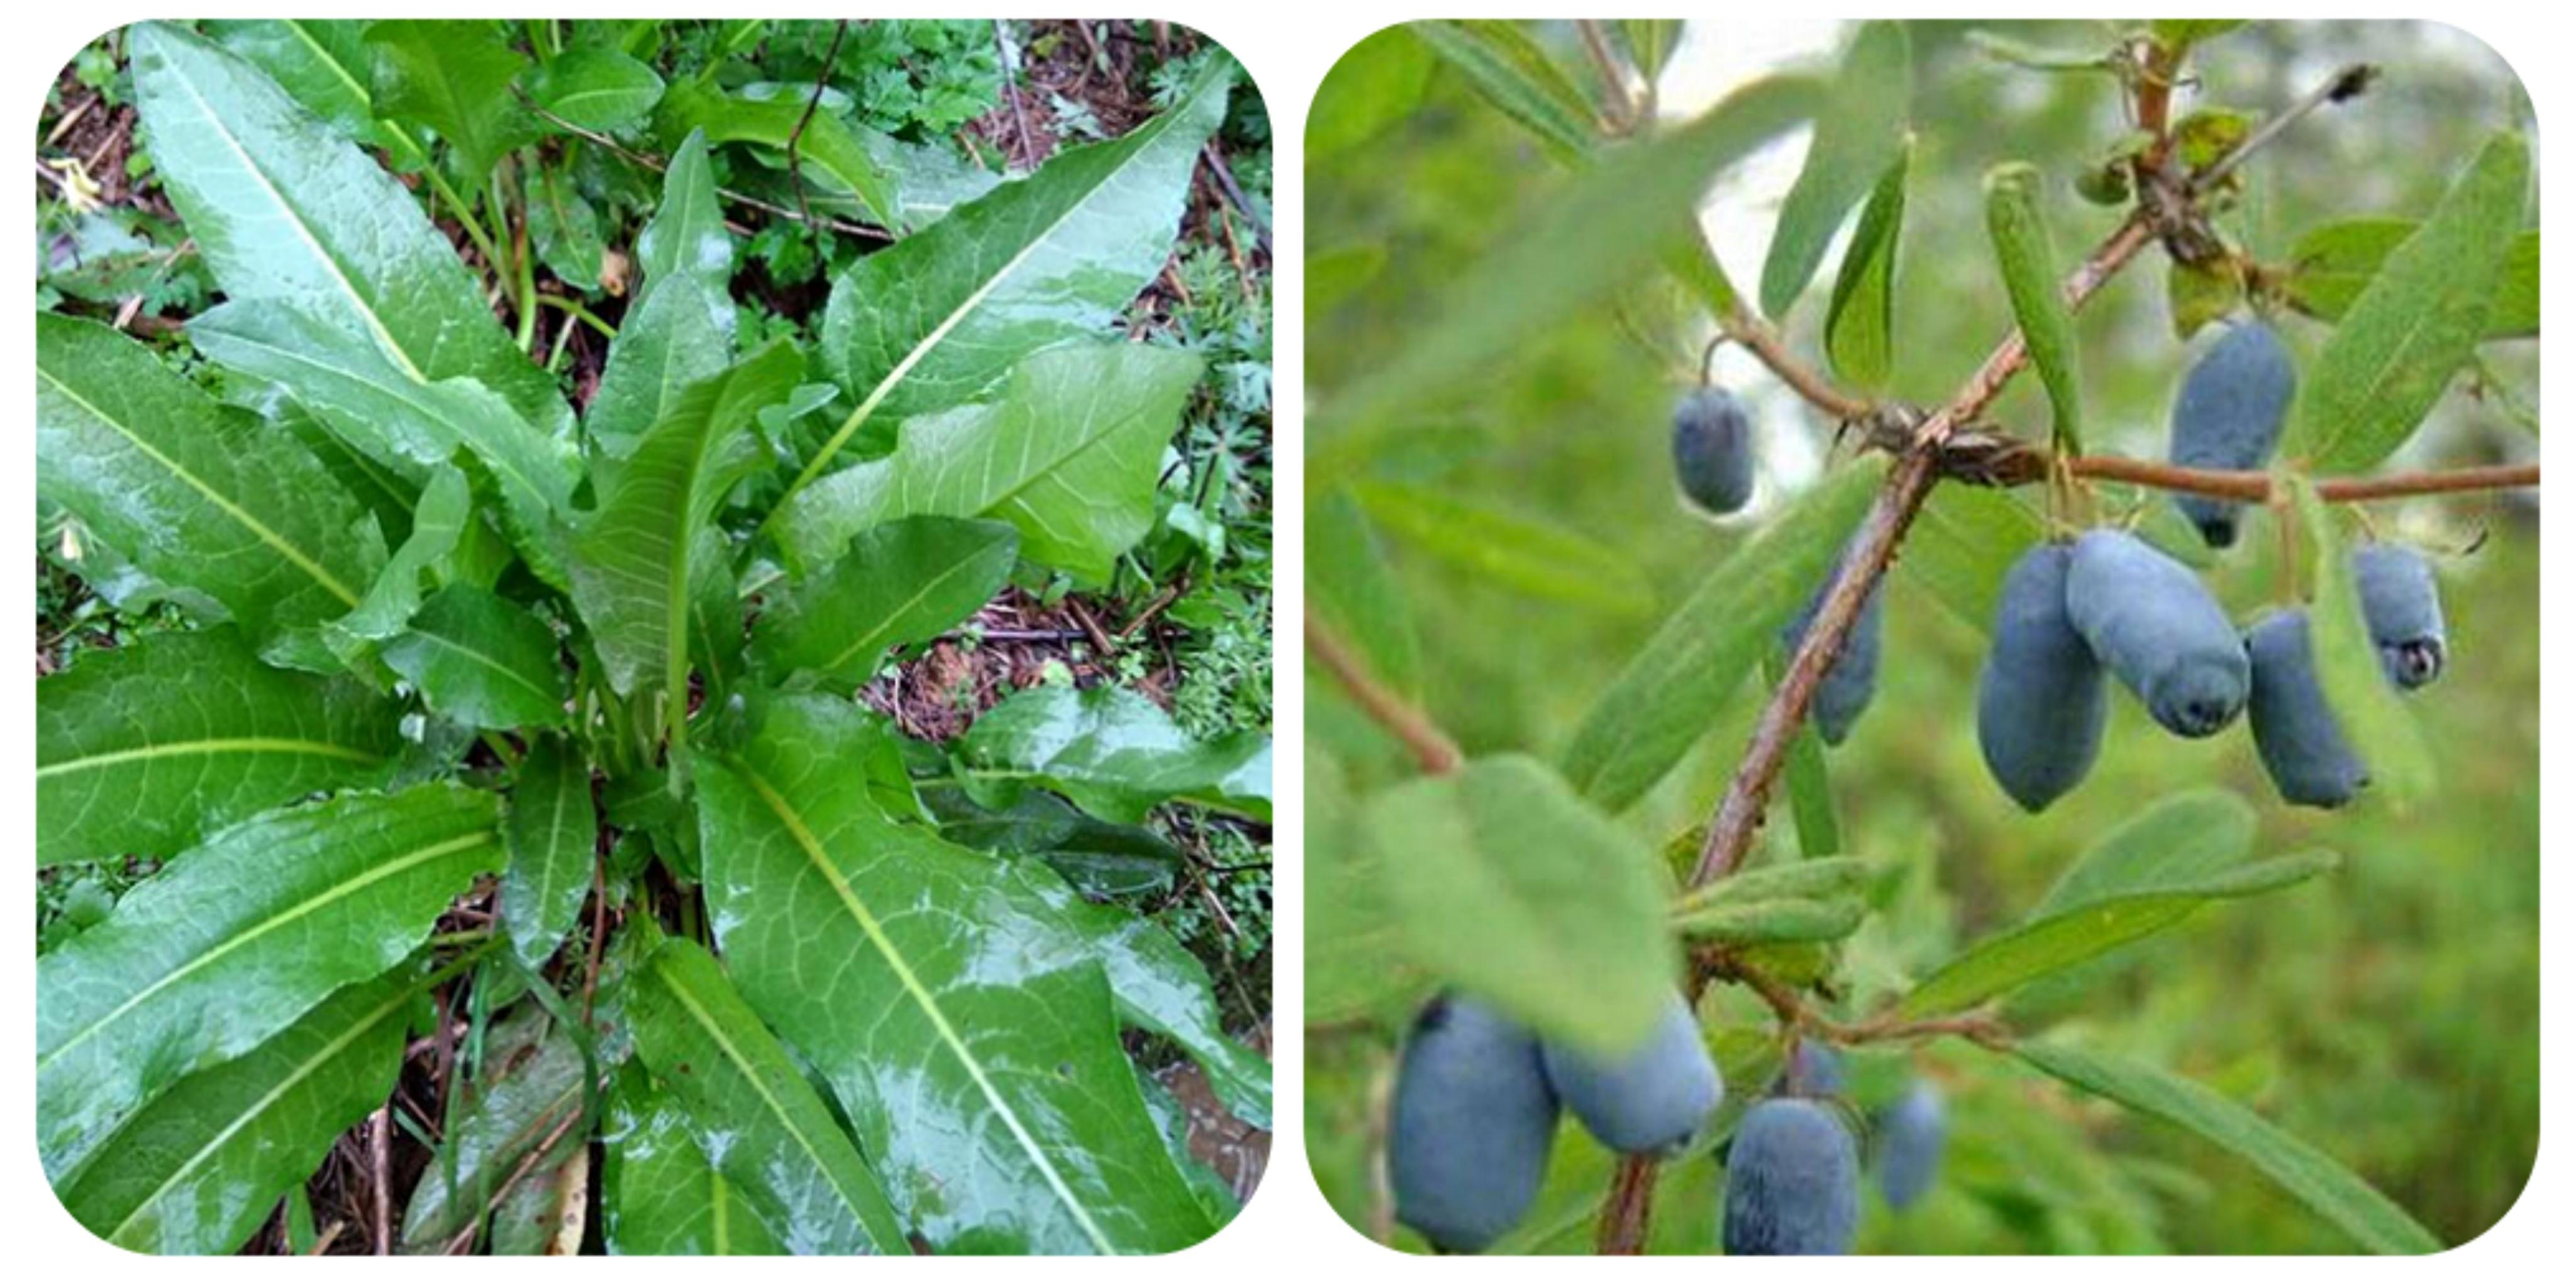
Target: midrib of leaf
(345, 889)
(873, 638)
(487, 660)
(303, 232)
(722, 1232)
(2382, 374)
(724, 1042)
(920, 994)
(267, 536)
(252, 1113)
(939, 334)
(207, 746)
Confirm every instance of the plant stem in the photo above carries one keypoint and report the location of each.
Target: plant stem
(461, 212)
(1430, 746)
(1622, 116)
(573, 308)
(1765, 344)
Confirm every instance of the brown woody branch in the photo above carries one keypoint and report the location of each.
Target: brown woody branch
(2256, 487)
(1431, 747)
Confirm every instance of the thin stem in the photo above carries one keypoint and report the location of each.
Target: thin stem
(462, 213)
(1614, 79)
(1766, 345)
(527, 264)
(1430, 746)
(2344, 84)
(796, 136)
(573, 309)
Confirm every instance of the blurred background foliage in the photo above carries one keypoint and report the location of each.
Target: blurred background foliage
(2387, 1013)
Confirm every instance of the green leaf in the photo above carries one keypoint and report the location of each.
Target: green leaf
(2056, 940)
(1115, 754)
(565, 229)
(598, 89)
(988, 1080)
(1963, 541)
(2344, 1199)
(752, 1110)
(1067, 452)
(234, 940)
(195, 1173)
(1354, 963)
(1504, 883)
(1860, 132)
(660, 1195)
(2187, 836)
(482, 661)
(1780, 920)
(1810, 782)
(438, 521)
(1593, 238)
(397, 420)
(1333, 276)
(836, 150)
(1374, 84)
(2372, 716)
(1860, 323)
(1668, 696)
(1517, 78)
(651, 544)
(2027, 257)
(553, 831)
(939, 318)
(453, 77)
(1350, 585)
(2020, 53)
(2333, 263)
(903, 583)
(194, 493)
(123, 767)
(2418, 321)
(283, 208)
(514, 1120)
(1516, 550)
(2199, 294)
(1650, 42)
(2180, 34)
(680, 329)
(323, 65)
(1100, 859)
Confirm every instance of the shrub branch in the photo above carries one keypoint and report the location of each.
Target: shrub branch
(1409, 724)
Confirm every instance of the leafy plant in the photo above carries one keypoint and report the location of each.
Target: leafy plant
(1454, 873)
(556, 704)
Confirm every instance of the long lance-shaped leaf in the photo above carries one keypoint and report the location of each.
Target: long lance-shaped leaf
(238, 937)
(660, 1195)
(1511, 71)
(936, 319)
(326, 66)
(639, 557)
(2060, 940)
(897, 584)
(1067, 454)
(824, 142)
(1667, 697)
(1860, 319)
(146, 748)
(482, 660)
(986, 1081)
(283, 208)
(2303, 1172)
(1116, 754)
(438, 522)
(553, 830)
(753, 1111)
(406, 424)
(680, 329)
(2418, 321)
(453, 77)
(2027, 257)
(193, 493)
(1859, 132)
(198, 1170)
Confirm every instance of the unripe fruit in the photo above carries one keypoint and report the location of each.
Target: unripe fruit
(1812, 1071)
(1472, 1123)
(2404, 610)
(1792, 1182)
(1911, 1133)
(2301, 744)
(2041, 700)
(2229, 416)
(1853, 678)
(1713, 450)
(2153, 624)
(1652, 1100)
